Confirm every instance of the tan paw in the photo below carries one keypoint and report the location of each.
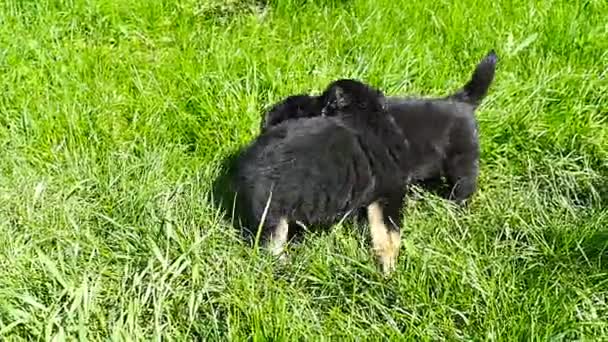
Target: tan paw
(282, 258)
(388, 253)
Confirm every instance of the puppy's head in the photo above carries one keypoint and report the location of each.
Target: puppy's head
(293, 107)
(347, 95)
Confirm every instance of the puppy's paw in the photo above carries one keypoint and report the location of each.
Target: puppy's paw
(387, 263)
(282, 258)
(387, 253)
(278, 253)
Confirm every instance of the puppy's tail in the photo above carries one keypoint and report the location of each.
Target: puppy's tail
(476, 89)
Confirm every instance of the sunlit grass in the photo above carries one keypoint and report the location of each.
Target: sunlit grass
(115, 117)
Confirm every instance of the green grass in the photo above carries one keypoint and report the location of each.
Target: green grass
(115, 116)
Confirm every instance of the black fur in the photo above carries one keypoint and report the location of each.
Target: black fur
(293, 107)
(442, 132)
(316, 170)
(476, 89)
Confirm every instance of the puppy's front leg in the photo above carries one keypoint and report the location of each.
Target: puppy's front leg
(277, 237)
(386, 237)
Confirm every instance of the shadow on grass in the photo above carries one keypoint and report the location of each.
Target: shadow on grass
(225, 11)
(588, 253)
(594, 194)
(594, 249)
(224, 195)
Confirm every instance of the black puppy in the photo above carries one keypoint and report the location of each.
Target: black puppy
(442, 131)
(317, 170)
(293, 107)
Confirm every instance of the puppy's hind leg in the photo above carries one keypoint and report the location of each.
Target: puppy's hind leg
(462, 163)
(385, 233)
(462, 176)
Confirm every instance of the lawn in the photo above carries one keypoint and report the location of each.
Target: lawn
(116, 117)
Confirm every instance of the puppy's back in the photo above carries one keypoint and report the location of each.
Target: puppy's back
(315, 169)
(292, 107)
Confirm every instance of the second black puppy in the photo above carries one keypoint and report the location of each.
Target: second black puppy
(442, 132)
(293, 107)
(317, 170)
